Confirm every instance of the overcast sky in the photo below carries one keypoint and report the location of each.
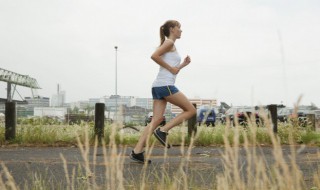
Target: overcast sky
(243, 52)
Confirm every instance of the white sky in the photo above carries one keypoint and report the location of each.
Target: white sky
(234, 46)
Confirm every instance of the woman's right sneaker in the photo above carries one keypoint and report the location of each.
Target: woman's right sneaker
(162, 137)
(138, 157)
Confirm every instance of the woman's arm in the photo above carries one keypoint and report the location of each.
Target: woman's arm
(156, 56)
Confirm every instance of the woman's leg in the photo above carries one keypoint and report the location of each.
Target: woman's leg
(159, 107)
(180, 100)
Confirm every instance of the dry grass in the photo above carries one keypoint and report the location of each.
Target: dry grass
(258, 175)
(251, 173)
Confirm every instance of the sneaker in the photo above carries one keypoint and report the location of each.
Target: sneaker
(162, 137)
(138, 157)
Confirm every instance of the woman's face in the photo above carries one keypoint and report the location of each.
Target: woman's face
(176, 32)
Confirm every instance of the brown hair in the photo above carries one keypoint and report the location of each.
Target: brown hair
(165, 29)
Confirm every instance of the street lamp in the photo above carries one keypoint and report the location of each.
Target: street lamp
(116, 85)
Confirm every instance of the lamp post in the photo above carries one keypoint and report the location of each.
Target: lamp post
(116, 84)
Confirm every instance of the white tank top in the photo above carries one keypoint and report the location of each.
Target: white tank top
(165, 77)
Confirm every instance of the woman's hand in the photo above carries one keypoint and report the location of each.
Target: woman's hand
(186, 62)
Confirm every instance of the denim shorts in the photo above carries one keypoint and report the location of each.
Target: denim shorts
(160, 92)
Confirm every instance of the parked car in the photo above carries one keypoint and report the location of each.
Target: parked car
(242, 113)
(220, 117)
(207, 116)
(149, 118)
(302, 116)
(286, 114)
(283, 114)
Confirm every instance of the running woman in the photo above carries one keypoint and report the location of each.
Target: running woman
(164, 89)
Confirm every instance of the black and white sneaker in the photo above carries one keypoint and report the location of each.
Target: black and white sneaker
(162, 137)
(139, 157)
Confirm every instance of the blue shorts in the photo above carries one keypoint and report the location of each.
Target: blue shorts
(160, 92)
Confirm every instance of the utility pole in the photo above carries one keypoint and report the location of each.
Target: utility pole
(116, 81)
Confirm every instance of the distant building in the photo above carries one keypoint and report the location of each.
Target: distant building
(33, 102)
(137, 108)
(198, 101)
(82, 106)
(129, 101)
(79, 104)
(146, 103)
(21, 106)
(93, 101)
(50, 112)
(114, 100)
(58, 100)
(37, 101)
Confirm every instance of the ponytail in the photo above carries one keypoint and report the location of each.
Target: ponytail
(162, 36)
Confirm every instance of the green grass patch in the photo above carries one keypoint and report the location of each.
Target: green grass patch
(59, 135)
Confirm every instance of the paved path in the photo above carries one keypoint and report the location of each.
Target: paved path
(28, 164)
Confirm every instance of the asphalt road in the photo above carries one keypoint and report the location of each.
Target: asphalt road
(30, 164)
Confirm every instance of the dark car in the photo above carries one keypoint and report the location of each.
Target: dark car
(149, 118)
(207, 116)
(242, 114)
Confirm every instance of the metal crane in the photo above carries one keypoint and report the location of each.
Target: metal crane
(16, 79)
